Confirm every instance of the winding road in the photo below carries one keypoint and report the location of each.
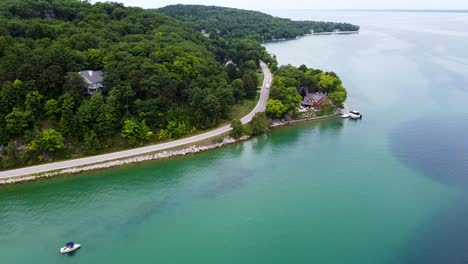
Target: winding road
(260, 107)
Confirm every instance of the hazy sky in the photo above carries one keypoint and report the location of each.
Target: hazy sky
(310, 4)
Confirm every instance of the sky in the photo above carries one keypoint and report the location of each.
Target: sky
(308, 4)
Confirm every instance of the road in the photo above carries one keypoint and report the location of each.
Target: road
(260, 107)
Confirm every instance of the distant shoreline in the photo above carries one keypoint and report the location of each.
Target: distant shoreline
(313, 34)
(376, 10)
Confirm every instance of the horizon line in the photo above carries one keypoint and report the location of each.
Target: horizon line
(428, 10)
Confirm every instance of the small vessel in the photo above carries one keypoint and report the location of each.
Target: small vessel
(355, 115)
(345, 115)
(69, 247)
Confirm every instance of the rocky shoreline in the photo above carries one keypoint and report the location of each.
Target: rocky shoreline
(309, 119)
(156, 156)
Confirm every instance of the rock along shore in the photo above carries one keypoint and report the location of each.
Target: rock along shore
(114, 163)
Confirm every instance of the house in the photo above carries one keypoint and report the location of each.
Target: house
(49, 14)
(93, 79)
(313, 100)
(229, 63)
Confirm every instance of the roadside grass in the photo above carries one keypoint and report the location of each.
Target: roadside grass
(242, 109)
(260, 77)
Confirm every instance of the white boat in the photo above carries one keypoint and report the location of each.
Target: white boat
(69, 247)
(355, 115)
(344, 115)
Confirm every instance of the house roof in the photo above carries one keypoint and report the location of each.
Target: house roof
(310, 98)
(92, 77)
(229, 62)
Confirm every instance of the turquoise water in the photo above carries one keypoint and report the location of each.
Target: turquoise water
(388, 189)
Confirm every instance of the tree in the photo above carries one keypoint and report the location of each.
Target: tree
(250, 65)
(52, 109)
(136, 132)
(327, 82)
(97, 115)
(176, 129)
(310, 81)
(34, 103)
(238, 89)
(46, 142)
(206, 109)
(12, 94)
(293, 100)
(288, 96)
(338, 97)
(92, 144)
(11, 159)
(303, 68)
(275, 108)
(250, 84)
(67, 120)
(74, 84)
(232, 71)
(18, 121)
(51, 140)
(259, 124)
(237, 129)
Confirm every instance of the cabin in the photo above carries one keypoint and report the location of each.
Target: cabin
(312, 100)
(93, 79)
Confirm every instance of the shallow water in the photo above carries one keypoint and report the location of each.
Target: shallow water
(391, 188)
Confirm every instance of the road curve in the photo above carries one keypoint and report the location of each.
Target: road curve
(260, 107)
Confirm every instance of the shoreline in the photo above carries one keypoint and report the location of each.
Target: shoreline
(303, 120)
(313, 34)
(166, 154)
(161, 155)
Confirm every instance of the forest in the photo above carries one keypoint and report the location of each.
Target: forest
(162, 79)
(224, 22)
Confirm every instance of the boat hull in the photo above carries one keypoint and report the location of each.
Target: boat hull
(352, 116)
(65, 250)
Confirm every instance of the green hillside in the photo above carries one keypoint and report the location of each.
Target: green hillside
(233, 22)
(162, 79)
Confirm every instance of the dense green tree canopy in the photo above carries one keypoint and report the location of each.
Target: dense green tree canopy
(237, 129)
(158, 73)
(136, 132)
(275, 108)
(223, 21)
(259, 124)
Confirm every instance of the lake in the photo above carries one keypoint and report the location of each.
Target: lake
(391, 188)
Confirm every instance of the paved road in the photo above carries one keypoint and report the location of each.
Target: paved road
(260, 107)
